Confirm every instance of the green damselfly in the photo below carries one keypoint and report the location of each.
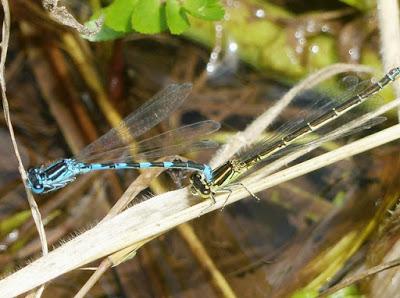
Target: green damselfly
(230, 171)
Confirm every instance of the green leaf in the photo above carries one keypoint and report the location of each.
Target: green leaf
(363, 5)
(118, 15)
(176, 17)
(305, 293)
(149, 16)
(105, 33)
(205, 9)
(13, 222)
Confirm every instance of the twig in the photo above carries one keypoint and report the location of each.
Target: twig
(216, 276)
(63, 16)
(34, 208)
(389, 26)
(359, 276)
(141, 183)
(100, 270)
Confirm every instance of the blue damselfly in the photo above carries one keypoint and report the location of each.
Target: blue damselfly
(114, 150)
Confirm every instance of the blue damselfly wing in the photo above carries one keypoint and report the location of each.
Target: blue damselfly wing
(173, 142)
(155, 110)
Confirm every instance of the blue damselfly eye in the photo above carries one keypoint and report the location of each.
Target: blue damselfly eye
(34, 181)
(38, 188)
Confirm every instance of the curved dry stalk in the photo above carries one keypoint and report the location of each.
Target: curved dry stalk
(360, 276)
(160, 214)
(32, 203)
(389, 26)
(257, 127)
(387, 281)
(142, 182)
(207, 263)
(100, 270)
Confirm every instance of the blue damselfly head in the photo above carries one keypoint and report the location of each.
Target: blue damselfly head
(54, 176)
(34, 180)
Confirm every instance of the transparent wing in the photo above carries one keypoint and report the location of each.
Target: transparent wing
(176, 149)
(326, 130)
(341, 132)
(147, 116)
(182, 139)
(293, 152)
(318, 109)
(181, 135)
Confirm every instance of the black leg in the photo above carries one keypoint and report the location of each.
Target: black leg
(249, 191)
(227, 198)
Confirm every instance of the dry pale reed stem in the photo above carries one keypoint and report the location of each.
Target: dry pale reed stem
(388, 16)
(389, 26)
(159, 214)
(34, 208)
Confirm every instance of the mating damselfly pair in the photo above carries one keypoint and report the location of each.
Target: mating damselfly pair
(113, 151)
